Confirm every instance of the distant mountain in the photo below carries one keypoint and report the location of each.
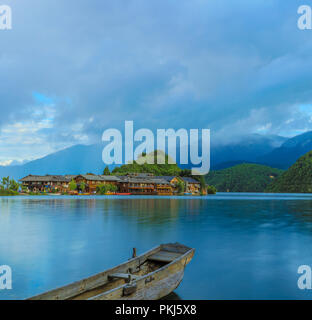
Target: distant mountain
(247, 150)
(73, 160)
(286, 155)
(297, 179)
(274, 151)
(243, 178)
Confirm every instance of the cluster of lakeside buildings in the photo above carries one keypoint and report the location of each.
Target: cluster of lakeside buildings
(134, 184)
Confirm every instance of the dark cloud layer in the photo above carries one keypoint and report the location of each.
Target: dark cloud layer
(233, 66)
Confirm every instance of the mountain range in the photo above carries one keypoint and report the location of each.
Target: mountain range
(274, 151)
(287, 154)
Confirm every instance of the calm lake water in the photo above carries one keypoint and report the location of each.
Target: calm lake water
(248, 246)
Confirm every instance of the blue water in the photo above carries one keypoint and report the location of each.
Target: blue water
(248, 246)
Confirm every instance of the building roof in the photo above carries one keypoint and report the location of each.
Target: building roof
(146, 180)
(140, 175)
(190, 180)
(46, 178)
(110, 178)
(70, 176)
(134, 180)
(167, 178)
(93, 177)
(130, 179)
(90, 177)
(161, 181)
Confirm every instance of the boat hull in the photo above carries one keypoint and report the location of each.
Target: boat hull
(153, 286)
(150, 276)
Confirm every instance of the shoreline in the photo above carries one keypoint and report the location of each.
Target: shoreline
(160, 196)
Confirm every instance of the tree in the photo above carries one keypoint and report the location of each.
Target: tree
(82, 186)
(202, 182)
(180, 186)
(6, 182)
(113, 188)
(105, 188)
(106, 171)
(186, 173)
(72, 185)
(101, 189)
(211, 190)
(13, 185)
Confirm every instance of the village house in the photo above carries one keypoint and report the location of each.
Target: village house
(144, 184)
(163, 187)
(92, 181)
(48, 183)
(172, 180)
(191, 185)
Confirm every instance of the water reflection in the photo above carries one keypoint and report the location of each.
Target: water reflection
(247, 246)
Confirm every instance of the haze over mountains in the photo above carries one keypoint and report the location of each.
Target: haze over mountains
(287, 154)
(249, 149)
(274, 151)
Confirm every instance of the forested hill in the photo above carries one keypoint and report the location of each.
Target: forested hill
(297, 179)
(157, 169)
(243, 178)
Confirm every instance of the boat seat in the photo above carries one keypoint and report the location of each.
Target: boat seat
(125, 276)
(164, 256)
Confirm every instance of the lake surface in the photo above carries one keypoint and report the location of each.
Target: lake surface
(248, 246)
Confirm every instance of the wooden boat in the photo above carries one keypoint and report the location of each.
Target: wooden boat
(150, 276)
(122, 194)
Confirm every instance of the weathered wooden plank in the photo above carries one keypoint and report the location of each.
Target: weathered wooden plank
(164, 256)
(125, 276)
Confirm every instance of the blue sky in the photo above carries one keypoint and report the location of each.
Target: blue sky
(71, 69)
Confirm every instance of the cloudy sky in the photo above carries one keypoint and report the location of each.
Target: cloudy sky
(71, 69)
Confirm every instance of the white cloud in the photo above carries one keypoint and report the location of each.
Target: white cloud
(232, 66)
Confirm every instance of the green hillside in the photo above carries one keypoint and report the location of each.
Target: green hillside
(157, 169)
(243, 178)
(297, 179)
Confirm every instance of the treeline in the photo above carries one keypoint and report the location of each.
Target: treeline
(156, 169)
(243, 178)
